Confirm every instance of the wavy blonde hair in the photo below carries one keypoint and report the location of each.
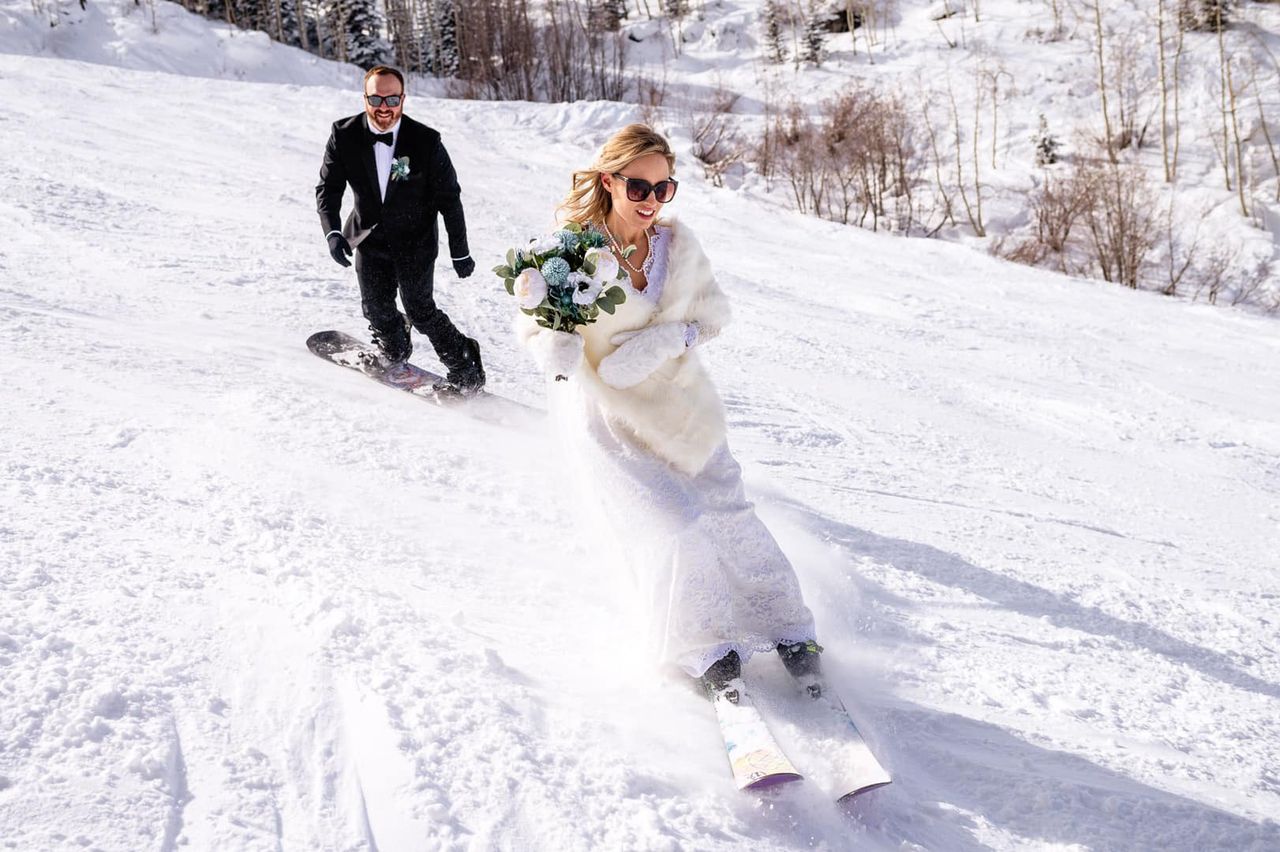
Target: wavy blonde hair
(588, 201)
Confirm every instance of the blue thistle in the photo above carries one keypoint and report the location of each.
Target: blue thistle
(568, 240)
(556, 270)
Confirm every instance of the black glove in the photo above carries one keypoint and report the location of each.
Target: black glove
(339, 249)
(464, 267)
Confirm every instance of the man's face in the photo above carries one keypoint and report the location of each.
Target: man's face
(382, 117)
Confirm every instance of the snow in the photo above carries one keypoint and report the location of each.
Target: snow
(251, 601)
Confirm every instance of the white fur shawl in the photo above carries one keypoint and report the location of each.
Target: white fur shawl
(676, 412)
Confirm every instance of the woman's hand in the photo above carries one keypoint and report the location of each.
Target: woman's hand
(641, 352)
(557, 353)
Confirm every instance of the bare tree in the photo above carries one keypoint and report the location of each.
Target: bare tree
(1121, 219)
(993, 77)
(1164, 92)
(1266, 131)
(941, 191)
(1229, 96)
(973, 208)
(715, 144)
(1100, 52)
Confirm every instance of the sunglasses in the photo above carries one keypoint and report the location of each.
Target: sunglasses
(638, 189)
(379, 100)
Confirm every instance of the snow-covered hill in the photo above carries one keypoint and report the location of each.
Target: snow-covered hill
(249, 601)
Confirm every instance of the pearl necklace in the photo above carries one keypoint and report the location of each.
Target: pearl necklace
(622, 254)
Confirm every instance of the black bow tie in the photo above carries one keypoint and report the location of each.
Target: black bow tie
(385, 138)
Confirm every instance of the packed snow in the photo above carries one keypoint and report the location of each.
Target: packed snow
(252, 601)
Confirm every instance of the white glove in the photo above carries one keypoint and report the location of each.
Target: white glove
(692, 335)
(557, 353)
(641, 352)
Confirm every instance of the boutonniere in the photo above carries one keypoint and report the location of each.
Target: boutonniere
(400, 168)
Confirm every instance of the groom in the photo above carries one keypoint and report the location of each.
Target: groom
(401, 177)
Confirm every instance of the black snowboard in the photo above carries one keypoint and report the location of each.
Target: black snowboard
(347, 351)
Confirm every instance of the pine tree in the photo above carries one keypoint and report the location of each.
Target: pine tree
(365, 45)
(252, 14)
(813, 44)
(1047, 144)
(675, 8)
(446, 61)
(1204, 15)
(290, 30)
(771, 20)
(607, 15)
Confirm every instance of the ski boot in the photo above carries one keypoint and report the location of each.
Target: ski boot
(804, 663)
(719, 680)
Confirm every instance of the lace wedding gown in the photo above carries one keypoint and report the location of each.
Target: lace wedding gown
(707, 571)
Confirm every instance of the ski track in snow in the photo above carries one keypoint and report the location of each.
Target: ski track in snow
(252, 602)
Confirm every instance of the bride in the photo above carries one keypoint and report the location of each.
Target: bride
(647, 430)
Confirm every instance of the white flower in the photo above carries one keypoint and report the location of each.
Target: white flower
(544, 244)
(585, 288)
(606, 265)
(530, 288)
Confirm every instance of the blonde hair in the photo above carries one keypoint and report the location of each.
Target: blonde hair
(588, 201)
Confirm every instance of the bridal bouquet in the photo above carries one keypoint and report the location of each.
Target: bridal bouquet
(565, 279)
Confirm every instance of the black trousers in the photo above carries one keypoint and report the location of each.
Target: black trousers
(383, 269)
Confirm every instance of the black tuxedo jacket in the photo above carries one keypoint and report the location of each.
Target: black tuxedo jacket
(407, 218)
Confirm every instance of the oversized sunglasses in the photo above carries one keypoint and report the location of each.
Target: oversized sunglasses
(379, 100)
(638, 189)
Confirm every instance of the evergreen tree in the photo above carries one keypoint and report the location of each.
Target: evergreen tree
(1204, 15)
(675, 8)
(446, 60)
(813, 44)
(607, 14)
(252, 14)
(1047, 145)
(363, 27)
(290, 28)
(771, 20)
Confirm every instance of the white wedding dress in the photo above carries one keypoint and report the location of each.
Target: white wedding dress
(710, 576)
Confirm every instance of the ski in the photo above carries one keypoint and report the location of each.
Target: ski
(816, 729)
(755, 758)
(859, 771)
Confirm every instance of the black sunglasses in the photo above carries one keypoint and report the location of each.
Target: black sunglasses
(638, 189)
(379, 100)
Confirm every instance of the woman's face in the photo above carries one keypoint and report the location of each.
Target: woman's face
(637, 215)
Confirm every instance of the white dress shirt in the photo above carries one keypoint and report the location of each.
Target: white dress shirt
(382, 155)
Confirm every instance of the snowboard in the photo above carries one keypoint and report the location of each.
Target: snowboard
(754, 757)
(346, 351)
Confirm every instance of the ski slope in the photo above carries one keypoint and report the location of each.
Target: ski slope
(249, 601)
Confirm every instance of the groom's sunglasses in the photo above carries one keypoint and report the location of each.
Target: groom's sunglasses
(378, 100)
(638, 189)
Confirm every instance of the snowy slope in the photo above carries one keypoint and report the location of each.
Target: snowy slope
(252, 602)
(1009, 51)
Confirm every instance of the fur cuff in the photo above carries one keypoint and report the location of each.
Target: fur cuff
(556, 353)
